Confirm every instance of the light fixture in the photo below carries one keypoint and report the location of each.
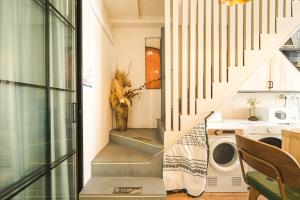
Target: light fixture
(150, 53)
(233, 2)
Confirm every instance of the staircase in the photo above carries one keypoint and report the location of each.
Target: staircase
(212, 49)
(129, 167)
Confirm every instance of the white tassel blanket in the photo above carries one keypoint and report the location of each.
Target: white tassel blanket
(185, 163)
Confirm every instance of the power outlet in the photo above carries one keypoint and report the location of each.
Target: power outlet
(290, 96)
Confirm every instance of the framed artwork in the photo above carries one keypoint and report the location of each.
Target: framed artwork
(152, 62)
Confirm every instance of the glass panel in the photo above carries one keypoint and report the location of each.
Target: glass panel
(22, 132)
(63, 128)
(62, 54)
(22, 41)
(276, 142)
(224, 154)
(66, 8)
(34, 191)
(64, 180)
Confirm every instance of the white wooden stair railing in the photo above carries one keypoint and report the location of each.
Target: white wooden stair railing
(211, 49)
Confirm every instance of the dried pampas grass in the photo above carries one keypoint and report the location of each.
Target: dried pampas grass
(121, 92)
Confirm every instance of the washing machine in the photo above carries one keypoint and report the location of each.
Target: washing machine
(266, 134)
(224, 171)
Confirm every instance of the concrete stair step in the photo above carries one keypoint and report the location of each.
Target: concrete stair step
(117, 160)
(146, 140)
(102, 188)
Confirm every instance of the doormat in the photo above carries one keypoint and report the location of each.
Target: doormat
(143, 139)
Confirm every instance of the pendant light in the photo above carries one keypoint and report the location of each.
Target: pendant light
(233, 2)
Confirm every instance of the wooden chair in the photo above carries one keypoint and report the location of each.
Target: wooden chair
(278, 173)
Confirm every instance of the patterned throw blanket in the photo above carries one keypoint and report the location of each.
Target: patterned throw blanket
(185, 163)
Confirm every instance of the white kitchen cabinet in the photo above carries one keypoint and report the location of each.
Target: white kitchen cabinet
(279, 70)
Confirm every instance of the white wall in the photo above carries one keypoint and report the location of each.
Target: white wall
(97, 57)
(129, 46)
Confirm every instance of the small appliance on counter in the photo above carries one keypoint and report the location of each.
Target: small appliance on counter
(279, 118)
(279, 115)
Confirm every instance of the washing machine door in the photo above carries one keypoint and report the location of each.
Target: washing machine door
(223, 154)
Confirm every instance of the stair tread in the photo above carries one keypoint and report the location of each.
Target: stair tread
(104, 186)
(148, 136)
(114, 153)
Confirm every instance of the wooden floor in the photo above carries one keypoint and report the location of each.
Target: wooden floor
(212, 196)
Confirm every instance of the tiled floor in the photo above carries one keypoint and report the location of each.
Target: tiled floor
(212, 196)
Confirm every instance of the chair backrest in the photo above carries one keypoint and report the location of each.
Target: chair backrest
(287, 166)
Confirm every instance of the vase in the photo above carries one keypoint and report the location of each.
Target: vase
(121, 117)
(253, 114)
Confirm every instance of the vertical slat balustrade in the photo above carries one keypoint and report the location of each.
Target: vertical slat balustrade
(184, 68)
(207, 40)
(239, 36)
(272, 21)
(175, 85)
(263, 16)
(288, 8)
(215, 41)
(232, 36)
(223, 43)
(255, 24)
(200, 48)
(168, 65)
(248, 27)
(192, 77)
(279, 9)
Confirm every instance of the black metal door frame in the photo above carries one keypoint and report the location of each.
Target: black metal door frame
(22, 184)
(79, 98)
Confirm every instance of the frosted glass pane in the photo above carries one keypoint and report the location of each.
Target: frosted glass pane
(62, 54)
(35, 191)
(63, 128)
(22, 132)
(22, 40)
(64, 180)
(66, 8)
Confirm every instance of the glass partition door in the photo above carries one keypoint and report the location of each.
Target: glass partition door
(38, 107)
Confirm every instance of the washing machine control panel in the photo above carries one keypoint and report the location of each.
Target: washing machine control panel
(224, 131)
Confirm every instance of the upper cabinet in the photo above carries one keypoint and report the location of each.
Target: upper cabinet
(277, 74)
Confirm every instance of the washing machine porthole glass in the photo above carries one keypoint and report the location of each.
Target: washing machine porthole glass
(276, 142)
(224, 154)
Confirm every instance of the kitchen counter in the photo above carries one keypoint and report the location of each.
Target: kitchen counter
(246, 124)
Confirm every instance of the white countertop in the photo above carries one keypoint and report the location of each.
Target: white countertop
(246, 124)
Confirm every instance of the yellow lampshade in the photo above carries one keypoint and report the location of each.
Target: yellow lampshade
(233, 2)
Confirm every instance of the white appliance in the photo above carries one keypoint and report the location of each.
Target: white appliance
(224, 171)
(267, 134)
(276, 119)
(280, 115)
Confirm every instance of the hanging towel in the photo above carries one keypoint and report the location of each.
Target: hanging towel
(185, 163)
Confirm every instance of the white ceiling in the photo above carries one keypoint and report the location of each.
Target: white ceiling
(133, 9)
(150, 8)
